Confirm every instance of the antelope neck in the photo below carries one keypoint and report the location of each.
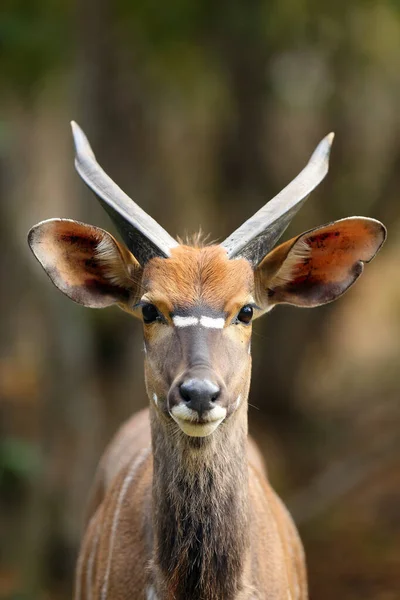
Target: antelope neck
(200, 510)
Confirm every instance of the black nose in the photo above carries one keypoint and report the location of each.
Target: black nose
(199, 394)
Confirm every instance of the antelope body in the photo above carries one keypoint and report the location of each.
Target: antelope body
(182, 508)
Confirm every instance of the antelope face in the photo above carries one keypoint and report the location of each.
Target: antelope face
(197, 303)
(197, 310)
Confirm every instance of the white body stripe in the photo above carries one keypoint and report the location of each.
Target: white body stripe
(150, 594)
(124, 489)
(79, 567)
(89, 573)
(204, 321)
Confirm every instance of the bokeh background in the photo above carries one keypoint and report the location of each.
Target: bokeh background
(202, 110)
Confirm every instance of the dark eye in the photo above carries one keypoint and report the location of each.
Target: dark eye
(150, 313)
(245, 314)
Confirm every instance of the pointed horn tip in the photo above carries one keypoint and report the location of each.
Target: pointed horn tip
(327, 140)
(327, 144)
(80, 140)
(75, 128)
(330, 137)
(323, 150)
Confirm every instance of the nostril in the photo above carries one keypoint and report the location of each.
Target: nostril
(184, 391)
(199, 392)
(215, 396)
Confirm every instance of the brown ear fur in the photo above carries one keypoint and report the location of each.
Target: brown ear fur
(85, 262)
(319, 265)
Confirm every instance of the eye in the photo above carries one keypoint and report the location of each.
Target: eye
(245, 314)
(150, 313)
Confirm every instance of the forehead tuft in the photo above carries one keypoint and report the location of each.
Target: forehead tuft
(198, 276)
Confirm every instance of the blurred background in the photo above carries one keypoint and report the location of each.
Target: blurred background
(202, 111)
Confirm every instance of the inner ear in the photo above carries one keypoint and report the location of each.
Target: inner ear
(319, 265)
(86, 263)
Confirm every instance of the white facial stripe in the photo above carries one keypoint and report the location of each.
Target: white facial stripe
(209, 322)
(212, 323)
(155, 399)
(185, 321)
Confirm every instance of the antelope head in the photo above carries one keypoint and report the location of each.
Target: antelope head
(197, 303)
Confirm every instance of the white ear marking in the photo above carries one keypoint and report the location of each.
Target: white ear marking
(115, 269)
(105, 249)
(300, 252)
(185, 321)
(212, 323)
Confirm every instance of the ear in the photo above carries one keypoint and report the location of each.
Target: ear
(86, 263)
(319, 265)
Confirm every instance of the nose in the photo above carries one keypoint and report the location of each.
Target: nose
(199, 394)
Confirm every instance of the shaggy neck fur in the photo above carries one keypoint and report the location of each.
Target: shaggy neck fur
(200, 510)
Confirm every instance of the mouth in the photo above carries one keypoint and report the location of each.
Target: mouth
(193, 425)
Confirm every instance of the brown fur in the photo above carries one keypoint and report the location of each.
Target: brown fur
(319, 265)
(269, 534)
(197, 275)
(68, 251)
(189, 523)
(175, 517)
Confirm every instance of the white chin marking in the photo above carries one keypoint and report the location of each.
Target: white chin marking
(187, 419)
(197, 430)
